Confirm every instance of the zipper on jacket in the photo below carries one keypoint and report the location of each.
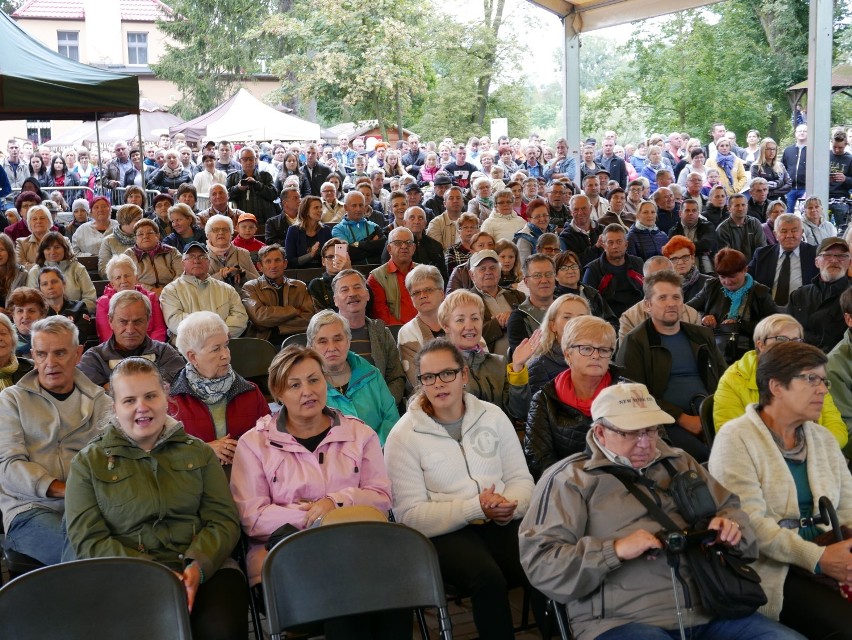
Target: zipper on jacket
(467, 466)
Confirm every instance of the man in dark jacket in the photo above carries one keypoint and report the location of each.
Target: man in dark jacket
(795, 160)
(677, 361)
(767, 267)
(251, 190)
(839, 176)
(700, 231)
(758, 203)
(616, 275)
(315, 174)
(414, 159)
(580, 234)
(817, 305)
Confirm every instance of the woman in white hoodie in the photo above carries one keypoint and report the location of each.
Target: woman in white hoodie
(459, 476)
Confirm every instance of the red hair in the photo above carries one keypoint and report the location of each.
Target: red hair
(676, 244)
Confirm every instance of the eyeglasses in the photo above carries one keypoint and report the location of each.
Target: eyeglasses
(330, 256)
(569, 267)
(424, 292)
(196, 258)
(402, 243)
(814, 380)
(783, 339)
(447, 375)
(587, 350)
(651, 433)
(147, 234)
(678, 259)
(834, 256)
(220, 230)
(542, 276)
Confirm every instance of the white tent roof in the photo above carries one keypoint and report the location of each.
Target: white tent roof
(588, 15)
(244, 117)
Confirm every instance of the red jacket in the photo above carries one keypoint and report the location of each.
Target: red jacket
(246, 405)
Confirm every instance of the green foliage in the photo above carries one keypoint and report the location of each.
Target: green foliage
(355, 58)
(212, 54)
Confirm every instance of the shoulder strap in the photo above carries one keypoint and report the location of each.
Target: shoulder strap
(653, 510)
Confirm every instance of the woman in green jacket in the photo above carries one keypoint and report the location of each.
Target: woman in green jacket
(144, 488)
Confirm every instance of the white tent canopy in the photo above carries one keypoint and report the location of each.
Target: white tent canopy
(244, 117)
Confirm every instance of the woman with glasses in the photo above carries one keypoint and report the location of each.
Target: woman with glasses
(459, 477)
(681, 251)
(538, 215)
(503, 223)
(560, 413)
(228, 263)
(306, 237)
(568, 273)
(733, 304)
(156, 263)
(737, 387)
(425, 285)
(334, 261)
(780, 462)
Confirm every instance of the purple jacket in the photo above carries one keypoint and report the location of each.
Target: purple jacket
(273, 475)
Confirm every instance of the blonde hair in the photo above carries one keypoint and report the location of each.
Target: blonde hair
(548, 337)
(456, 299)
(589, 328)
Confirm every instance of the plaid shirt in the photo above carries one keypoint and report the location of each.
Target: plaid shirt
(455, 255)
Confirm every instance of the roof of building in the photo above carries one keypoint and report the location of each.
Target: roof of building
(131, 10)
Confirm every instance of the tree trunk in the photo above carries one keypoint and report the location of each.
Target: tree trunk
(493, 21)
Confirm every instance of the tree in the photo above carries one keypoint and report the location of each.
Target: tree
(213, 54)
(353, 57)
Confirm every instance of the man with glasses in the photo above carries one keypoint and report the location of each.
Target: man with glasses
(276, 305)
(590, 544)
(560, 214)
(786, 266)
(816, 305)
(540, 278)
(195, 291)
(678, 361)
(391, 301)
(251, 190)
(635, 189)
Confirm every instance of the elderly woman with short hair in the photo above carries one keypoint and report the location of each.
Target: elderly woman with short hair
(185, 228)
(89, 236)
(39, 222)
(55, 251)
(229, 263)
(122, 237)
(170, 176)
(26, 305)
(157, 264)
(780, 462)
(355, 387)
(425, 285)
(122, 276)
(561, 413)
(737, 387)
(681, 251)
(214, 402)
(12, 368)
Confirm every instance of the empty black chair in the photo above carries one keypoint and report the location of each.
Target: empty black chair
(705, 412)
(125, 598)
(385, 566)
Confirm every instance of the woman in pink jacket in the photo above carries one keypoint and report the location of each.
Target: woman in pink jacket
(121, 272)
(295, 466)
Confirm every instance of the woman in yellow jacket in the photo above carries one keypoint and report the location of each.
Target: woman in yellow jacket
(738, 385)
(732, 173)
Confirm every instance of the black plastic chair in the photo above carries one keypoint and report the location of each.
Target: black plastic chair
(250, 358)
(300, 339)
(386, 566)
(705, 412)
(561, 614)
(125, 598)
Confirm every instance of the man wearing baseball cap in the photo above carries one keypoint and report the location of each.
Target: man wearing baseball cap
(817, 305)
(589, 543)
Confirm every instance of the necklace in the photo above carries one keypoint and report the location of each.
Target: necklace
(340, 379)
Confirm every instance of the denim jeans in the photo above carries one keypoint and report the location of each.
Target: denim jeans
(37, 533)
(792, 197)
(753, 627)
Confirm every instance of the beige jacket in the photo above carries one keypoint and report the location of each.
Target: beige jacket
(636, 315)
(260, 299)
(443, 230)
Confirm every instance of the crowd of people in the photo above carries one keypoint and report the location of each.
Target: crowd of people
(449, 297)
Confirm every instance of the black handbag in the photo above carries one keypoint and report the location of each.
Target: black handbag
(728, 586)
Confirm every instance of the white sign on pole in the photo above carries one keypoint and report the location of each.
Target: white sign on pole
(499, 127)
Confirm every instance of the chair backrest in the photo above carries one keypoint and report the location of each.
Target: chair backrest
(300, 339)
(705, 412)
(377, 566)
(251, 357)
(100, 286)
(125, 598)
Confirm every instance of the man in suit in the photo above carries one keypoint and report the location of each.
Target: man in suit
(315, 172)
(767, 263)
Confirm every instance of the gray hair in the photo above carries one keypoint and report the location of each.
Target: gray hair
(56, 325)
(120, 260)
(194, 330)
(7, 322)
(656, 263)
(80, 203)
(396, 231)
(422, 273)
(773, 324)
(758, 180)
(39, 208)
(786, 218)
(345, 274)
(323, 318)
(125, 299)
(213, 220)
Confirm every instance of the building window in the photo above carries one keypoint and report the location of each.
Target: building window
(68, 44)
(137, 48)
(38, 131)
